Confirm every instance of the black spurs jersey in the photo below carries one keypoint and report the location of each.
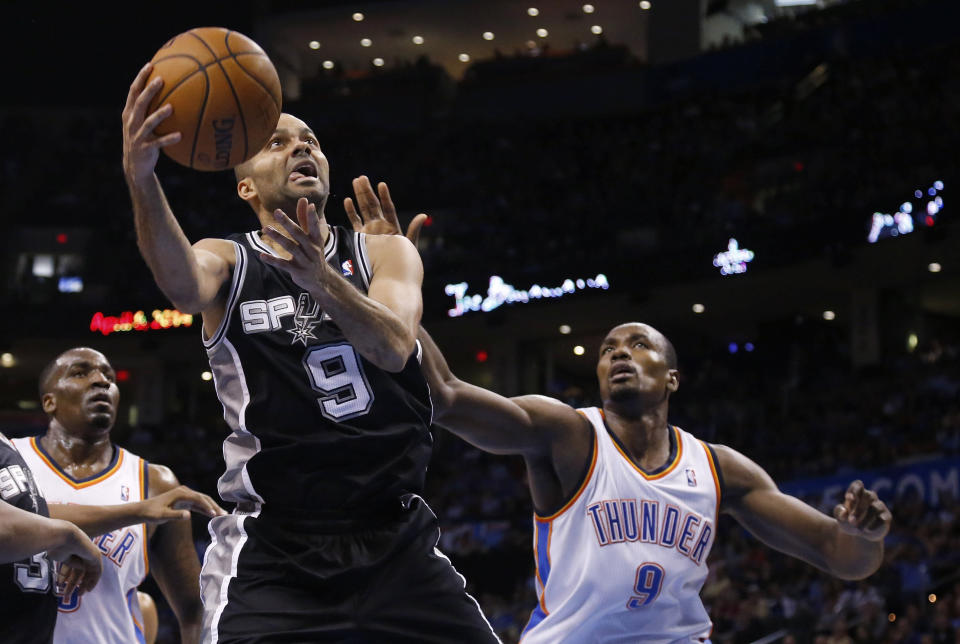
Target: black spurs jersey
(28, 608)
(316, 428)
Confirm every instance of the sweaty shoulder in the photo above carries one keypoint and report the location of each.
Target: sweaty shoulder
(220, 247)
(549, 414)
(391, 248)
(162, 479)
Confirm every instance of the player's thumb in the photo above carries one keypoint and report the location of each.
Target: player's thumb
(413, 230)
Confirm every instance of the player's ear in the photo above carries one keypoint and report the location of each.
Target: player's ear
(673, 380)
(247, 189)
(49, 403)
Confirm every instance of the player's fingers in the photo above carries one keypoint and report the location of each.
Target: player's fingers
(91, 575)
(864, 500)
(413, 230)
(386, 205)
(352, 215)
(70, 576)
(287, 244)
(139, 112)
(152, 121)
(165, 140)
(313, 226)
(136, 87)
(840, 512)
(366, 199)
(277, 262)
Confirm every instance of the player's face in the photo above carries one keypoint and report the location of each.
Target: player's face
(290, 166)
(633, 364)
(84, 391)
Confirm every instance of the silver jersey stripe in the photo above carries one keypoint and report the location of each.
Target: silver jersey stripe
(239, 274)
(360, 243)
(240, 446)
(227, 537)
(255, 240)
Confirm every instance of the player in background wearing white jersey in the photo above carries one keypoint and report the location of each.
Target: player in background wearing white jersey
(626, 505)
(74, 461)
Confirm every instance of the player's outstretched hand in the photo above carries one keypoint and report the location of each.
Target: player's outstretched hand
(141, 146)
(306, 265)
(78, 566)
(863, 514)
(378, 217)
(178, 503)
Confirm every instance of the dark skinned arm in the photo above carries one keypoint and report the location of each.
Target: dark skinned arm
(174, 563)
(848, 545)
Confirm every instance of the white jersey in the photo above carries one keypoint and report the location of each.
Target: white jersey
(624, 560)
(110, 613)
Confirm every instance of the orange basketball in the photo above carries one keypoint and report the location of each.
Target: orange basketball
(225, 95)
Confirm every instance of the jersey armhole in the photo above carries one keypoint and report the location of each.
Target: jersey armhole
(588, 468)
(715, 465)
(236, 284)
(363, 257)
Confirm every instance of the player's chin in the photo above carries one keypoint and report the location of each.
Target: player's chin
(102, 420)
(623, 391)
(313, 189)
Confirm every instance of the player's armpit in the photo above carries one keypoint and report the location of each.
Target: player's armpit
(789, 525)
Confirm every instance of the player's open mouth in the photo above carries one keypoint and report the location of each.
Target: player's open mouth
(620, 372)
(303, 171)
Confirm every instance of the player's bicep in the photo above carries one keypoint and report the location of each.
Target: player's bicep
(781, 521)
(215, 261)
(397, 278)
(522, 425)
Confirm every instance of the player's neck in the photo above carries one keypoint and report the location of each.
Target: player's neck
(645, 433)
(267, 219)
(79, 456)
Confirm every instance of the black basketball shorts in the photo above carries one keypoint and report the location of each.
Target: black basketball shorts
(266, 579)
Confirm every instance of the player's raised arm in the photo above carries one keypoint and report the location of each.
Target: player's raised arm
(848, 545)
(191, 277)
(381, 325)
(527, 425)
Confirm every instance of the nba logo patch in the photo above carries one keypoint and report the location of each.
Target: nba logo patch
(124, 493)
(347, 267)
(691, 477)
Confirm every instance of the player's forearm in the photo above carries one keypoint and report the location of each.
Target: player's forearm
(99, 519)
(23, 533)
(376, 332)
(164, 246)
(483, 418)
(852, 557)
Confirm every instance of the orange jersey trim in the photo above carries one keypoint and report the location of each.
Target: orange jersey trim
(143, 480)
(716, 478)
(659, 475)
(69, 481)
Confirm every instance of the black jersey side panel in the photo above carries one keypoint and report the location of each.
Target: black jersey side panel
(316, 427)
(29, 608)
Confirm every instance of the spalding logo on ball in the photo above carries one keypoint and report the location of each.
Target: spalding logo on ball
(225, 94)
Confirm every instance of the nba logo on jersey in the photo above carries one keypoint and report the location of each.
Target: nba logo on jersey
(691, 477)
(347, 267)
(124, 493)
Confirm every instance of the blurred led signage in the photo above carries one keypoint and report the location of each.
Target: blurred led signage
(734, 260)
(138, 321)
(922, 211)
(500, 293)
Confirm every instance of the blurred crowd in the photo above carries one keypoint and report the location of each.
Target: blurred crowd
(796, 163)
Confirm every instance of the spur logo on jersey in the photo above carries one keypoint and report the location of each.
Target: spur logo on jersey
(14, 481)
(262, 316)
(347, 267)
(625, 520)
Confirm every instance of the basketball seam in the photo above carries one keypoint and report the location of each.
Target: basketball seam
(254, 77)
(200, 68)
(226, 42)
(233, 91)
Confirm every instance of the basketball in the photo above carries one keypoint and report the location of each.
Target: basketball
(225, 94)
